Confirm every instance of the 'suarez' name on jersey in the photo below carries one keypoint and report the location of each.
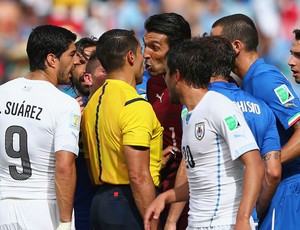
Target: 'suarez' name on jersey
(23, 110)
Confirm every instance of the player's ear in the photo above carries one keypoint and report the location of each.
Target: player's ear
(237, 46)
(51, 60)
(87, 77)
(130, 57)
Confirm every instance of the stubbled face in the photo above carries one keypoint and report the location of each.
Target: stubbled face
(78, 73)
(294, 61)
(66, 65)
(170, 81)
(155, 49)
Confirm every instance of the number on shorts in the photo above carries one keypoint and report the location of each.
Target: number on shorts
(21, 153)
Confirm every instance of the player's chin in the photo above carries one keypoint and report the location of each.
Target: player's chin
(297, 80)
(65, 81)
(296, 76)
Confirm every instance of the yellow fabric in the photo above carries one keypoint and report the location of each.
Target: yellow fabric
(117, 125)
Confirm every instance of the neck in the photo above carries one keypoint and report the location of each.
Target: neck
(218, 79)
(41, 75)
(192, 97)
(123, 76)
(244, 62)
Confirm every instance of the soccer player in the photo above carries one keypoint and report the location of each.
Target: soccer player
(294, 61)
(267, 83)
(162, 31)
(80, 90)
(94, 74)
(39, 129)
(224, 167)
(123, 137)
(258, 116)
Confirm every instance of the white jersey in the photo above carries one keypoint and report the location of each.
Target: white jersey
(36, 120)
(215, 135)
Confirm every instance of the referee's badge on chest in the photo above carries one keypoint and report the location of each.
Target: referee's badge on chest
(199, 130)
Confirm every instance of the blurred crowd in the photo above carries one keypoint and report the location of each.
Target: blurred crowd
(275, 19)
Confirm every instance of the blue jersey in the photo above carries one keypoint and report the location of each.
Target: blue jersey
(258, 115)
(141, 89)
(269, 84)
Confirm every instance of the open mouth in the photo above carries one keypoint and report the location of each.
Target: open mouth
(295, 72)
(147, 67)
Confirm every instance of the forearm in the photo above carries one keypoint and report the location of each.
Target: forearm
(271, 181)
(291, 149)
(157, 206)
(177, 208)
(252, 182)
(143, 193)
(65, 181)
(265, 198)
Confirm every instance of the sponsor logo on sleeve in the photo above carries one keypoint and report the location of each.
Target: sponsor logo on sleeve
(284, 94)
(74, 120)
(232, 123)
(199, 130)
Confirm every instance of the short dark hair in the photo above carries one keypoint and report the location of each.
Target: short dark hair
(222, 55)
(112, 47)
(239, 27)
(173, 25)
(44, 40)
(91, 62)
(297, 34)
(190, 58)
(85, 42)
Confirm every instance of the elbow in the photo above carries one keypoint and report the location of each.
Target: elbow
(65, 170)
(273, 175)
(139, 178)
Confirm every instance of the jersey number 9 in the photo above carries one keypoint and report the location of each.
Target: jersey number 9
(21, 153)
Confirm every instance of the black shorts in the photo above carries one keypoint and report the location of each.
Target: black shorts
(113, 208)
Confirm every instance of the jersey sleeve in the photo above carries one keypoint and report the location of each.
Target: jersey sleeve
(68, 125)
(279, 96)
(138, 122)
(231, 124)
(271, 140)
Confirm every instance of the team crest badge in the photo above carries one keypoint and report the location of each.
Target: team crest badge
(199, 130)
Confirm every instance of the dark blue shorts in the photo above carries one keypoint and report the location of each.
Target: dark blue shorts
(284, 210)
(113, 208)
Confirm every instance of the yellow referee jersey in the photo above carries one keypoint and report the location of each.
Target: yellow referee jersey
(116, 116)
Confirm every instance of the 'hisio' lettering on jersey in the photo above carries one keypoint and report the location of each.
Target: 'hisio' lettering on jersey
(248, 106)
(23, 110)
